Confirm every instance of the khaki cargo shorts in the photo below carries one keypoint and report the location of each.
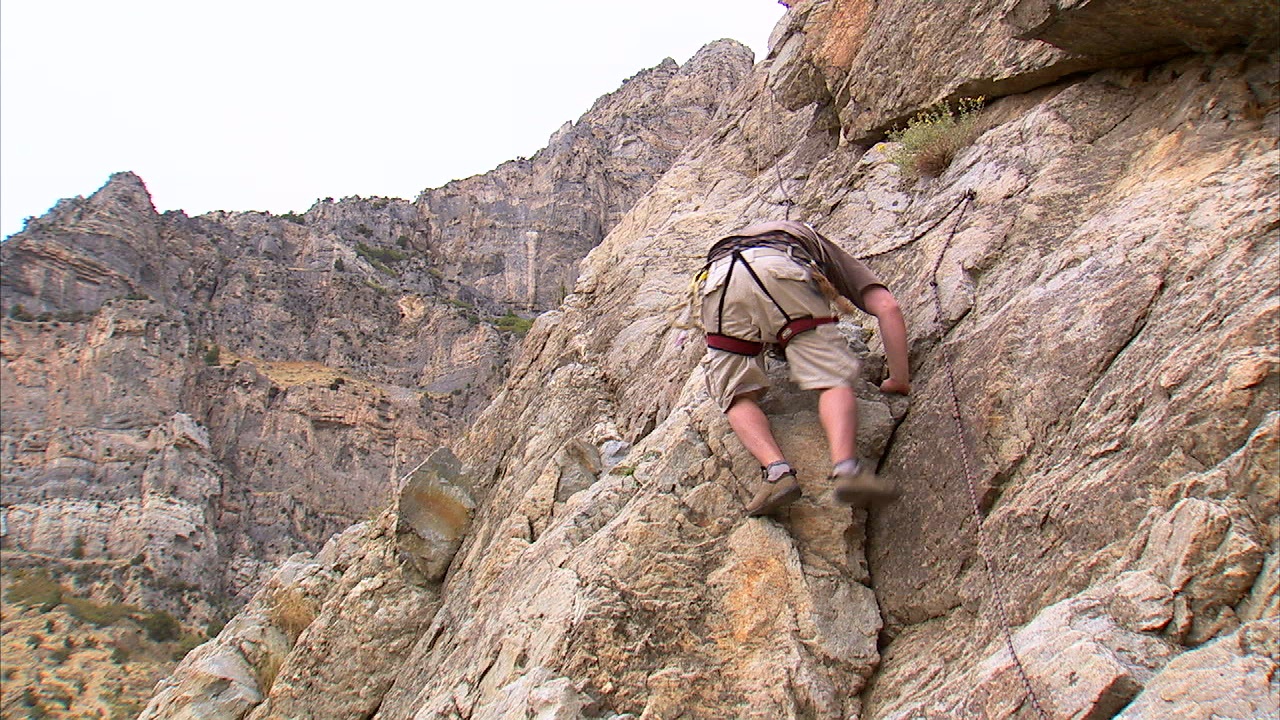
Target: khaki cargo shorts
(818, 359)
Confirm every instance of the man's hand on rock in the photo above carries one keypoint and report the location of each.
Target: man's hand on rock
(895, 387)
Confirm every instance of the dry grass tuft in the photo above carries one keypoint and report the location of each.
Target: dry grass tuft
(292, 612)
(267, 671)
(932, 138)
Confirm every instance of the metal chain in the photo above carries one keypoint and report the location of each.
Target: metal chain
(967, 196)
(996, 596)
(773, 137)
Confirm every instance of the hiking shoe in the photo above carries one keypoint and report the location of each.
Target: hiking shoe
(857, 485)
(774, 494)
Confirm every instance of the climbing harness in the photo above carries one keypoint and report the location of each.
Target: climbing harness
(790, 328)
(996, 596)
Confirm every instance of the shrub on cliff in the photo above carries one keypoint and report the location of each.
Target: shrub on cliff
(379, 255)
(292, 612)
(931, 139)
(94, 613)
(161, 626)
(35, 588)
(513, 323)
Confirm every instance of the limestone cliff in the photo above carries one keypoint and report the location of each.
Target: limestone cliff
(1095, 272)
(187, 401)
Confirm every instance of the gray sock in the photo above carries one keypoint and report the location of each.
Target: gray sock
(776, 470)
(852, 466)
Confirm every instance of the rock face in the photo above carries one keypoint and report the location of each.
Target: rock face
(517, 233)
(873, 65)
(1096, 272)
(190, 400)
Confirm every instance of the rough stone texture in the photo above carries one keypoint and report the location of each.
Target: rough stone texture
(434, 511)
(1112, 213)
(1133, 31)
(228, 676)
(322, 639)
(348, 656)
(876, 64)
(1233, 677)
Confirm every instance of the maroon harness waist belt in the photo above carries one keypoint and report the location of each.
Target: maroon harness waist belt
(788, 332)
(799, 325)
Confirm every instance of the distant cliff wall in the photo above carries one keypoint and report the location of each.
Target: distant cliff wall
(189, 400)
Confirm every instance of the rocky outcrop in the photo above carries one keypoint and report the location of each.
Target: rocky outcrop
(872, 66)
(1132, 31)
(350, 602)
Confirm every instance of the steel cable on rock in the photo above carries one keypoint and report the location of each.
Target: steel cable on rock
(773, 142)
(997, 597)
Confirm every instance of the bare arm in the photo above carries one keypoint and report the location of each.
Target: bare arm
(893, 331)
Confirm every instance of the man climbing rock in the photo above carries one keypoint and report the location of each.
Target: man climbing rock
(775, 283)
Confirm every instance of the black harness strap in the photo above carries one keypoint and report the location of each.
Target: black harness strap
(790, 329)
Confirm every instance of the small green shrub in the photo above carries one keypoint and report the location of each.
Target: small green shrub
(30, 698)
(213, 355)
(513, 323)
(931, 139)
(36, 589)
(292, 217)
(19, 313)
(101, 615)
(127, 710)
(186, 643)
(379, 255)
(214, 627)
(161, 626)
(72, 316)
(339, 265)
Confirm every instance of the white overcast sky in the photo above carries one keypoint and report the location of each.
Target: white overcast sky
(271, 104)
